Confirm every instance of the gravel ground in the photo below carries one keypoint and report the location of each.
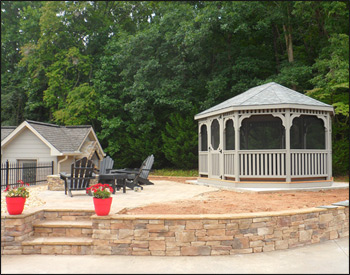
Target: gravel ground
(31, 202)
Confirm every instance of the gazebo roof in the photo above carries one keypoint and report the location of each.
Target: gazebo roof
(267, 94)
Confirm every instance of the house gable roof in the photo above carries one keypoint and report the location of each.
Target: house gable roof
(6, 130)
(267, 94)
(61, 139)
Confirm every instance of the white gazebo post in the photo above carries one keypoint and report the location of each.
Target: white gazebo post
(288, 155)
(237, 144)
(328, 129)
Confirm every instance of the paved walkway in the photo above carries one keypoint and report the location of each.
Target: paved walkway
(330, 257)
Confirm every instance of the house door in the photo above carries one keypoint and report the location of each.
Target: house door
(28, 169)
(215, 151)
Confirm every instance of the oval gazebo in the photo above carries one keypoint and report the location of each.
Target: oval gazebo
(268, 136)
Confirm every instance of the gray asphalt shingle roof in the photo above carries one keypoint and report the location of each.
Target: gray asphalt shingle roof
(63, 138)
(267, 94)
(6, 130)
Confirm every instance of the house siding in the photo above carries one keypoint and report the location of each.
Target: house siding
(65, 166)
(26, 145)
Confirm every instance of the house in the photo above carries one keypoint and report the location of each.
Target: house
(34, 142)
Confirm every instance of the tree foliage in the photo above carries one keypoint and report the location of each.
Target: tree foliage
(139, 70)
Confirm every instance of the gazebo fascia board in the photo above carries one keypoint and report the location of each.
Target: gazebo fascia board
(278, 166)
(263, 107)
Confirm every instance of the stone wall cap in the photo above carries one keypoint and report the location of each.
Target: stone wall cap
(212, 216)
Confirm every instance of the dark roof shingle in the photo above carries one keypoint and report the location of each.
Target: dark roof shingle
(63, 138)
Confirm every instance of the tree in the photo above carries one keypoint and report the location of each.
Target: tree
(180, 143)
(332, 86)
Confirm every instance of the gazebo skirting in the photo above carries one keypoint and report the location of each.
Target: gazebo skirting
(247, 168)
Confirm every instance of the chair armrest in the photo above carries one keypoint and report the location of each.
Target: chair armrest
(124, 171)
(64, 175)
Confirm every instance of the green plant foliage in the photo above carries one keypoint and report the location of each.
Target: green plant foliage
(136, 69)
(180, 144)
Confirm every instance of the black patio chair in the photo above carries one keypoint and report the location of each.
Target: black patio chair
(81, 174)
(137, 176)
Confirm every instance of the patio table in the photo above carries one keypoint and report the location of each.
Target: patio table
(115, 177)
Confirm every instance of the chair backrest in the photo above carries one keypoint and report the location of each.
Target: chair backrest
(146, 167)
(81, 173)
(106, 163)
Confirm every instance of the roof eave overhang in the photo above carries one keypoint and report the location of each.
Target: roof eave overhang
(260, 107)
(75, 153)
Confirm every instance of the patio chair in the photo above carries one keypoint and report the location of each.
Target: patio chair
(137, 177)
(81, 174)
(106, 165)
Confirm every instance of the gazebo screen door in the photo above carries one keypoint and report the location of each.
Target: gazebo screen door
(215, 150)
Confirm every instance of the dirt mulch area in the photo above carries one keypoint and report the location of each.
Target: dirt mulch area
(225, 202)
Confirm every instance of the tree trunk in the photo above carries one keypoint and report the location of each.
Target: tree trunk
(289, 42)
(275, 39)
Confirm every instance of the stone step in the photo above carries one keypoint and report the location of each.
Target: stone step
(59, 228)
(58, 245)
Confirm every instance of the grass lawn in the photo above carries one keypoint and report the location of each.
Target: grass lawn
(341, 178)
(174, 172)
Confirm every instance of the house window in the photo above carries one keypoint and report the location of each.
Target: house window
(204, 138)
(215, 134)
(229, 135)
(27, 171)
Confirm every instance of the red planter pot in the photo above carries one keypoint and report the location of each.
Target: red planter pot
(102, 206)
(15, 205)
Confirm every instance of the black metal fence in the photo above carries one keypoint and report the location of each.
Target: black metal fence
(31, 173)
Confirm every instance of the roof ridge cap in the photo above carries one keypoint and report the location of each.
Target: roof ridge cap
(42, 123)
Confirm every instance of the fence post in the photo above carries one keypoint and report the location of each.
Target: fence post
(7, 173)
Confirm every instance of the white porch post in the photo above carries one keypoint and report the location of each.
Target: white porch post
(288, 156)
(328, 133)
(237, 142)
(221, 146)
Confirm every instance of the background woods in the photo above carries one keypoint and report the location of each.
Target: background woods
(139, 71)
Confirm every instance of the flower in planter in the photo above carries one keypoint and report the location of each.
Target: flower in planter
(100, 191)
(21, 191)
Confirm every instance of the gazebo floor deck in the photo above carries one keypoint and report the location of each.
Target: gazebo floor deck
(270, 186)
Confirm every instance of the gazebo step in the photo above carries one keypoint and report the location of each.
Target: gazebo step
(58, 245)
(52, 228)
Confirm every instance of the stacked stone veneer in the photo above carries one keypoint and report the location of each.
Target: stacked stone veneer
(180, 235)
(216, 234)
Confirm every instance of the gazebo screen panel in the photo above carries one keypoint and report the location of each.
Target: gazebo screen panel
(262, 132)
(229, 135)
(204, 138)
(307, 132)
(215, 134)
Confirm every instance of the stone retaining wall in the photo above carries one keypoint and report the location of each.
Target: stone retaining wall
(15, 229)
(189, 235)
(204, 235)
(18, 228)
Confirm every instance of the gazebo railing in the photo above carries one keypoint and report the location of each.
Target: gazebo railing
(262, 163)
(229, 163)
(306, 163)
(203, 162)
(267, 163)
